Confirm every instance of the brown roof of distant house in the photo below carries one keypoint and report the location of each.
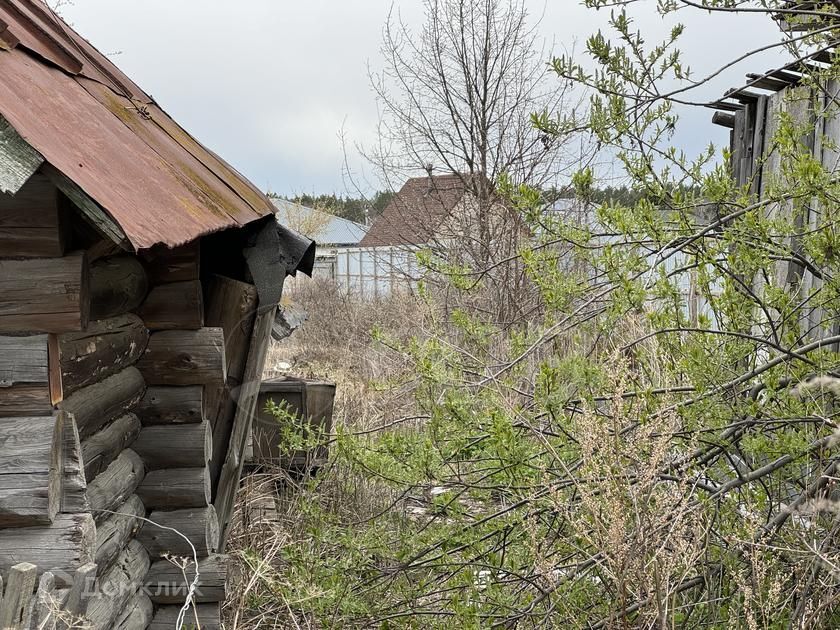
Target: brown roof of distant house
(100, 130)
(416, 211)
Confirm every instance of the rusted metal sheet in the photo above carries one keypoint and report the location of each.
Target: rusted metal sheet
(90, 122)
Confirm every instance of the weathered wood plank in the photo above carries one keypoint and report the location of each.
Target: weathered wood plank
(181, 264)
(231, 306)
(31, 456)
(74, 488)
(175, 488)
(105, 348)
(185, 357)
(117, 285)
(61, 547)
(175, 446)
(199, 525)
(18, 160)
(114, 533)
(16, 607)
(45, 602)
(166, 585)
(175, 306)
(115, 484)
(96, 405)
(44, 294)
(83, 586)
(246, 404)
(31, 221)
(209, 617)
(25, 376)
(172, 405)
(103, 447)
(118, 586)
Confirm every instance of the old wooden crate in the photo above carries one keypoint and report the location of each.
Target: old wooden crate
(312, 402)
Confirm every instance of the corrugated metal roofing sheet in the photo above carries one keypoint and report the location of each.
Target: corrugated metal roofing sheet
(98, 128)
(326, 228)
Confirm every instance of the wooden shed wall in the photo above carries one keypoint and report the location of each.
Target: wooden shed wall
(119, 424)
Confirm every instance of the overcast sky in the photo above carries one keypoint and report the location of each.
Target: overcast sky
(269, 84)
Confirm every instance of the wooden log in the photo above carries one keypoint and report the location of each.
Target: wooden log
(175, 488)
(118, 285)
(16, 607)
(118, 586)
(185, 357)
(108, 346)
(26, 387)
(102, 448)
(115, 484)
(32, 221)
(74, 488)
(137, 614)
(97, 404)
(176, 306)
(199, 525)
(61, 547)
(172, 405)
(114, 533)
(31, 455)
(165, 582)
(246, 405)
(209, 617)
(231, 306)
(44, 294)
(173, 265)
(175, 446)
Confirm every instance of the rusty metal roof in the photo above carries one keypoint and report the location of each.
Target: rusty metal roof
(98, 128)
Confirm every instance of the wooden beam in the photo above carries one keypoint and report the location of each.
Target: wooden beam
(117, 586)
(246, 405)
(25, 376)
(175, 488)
(137, 614)
(44, 294)
(181, 264)
(31, 456)
(117, 285)
(115, 532)
(175, 306)
(18, 160)
(107, 346)
(115, 484)
(96, 405)
(32, 221)
(175, 446)
(103, 447)
(172, 405)
(92, 211)
(199, 525)
(185, 357)
(209, 617)
(165, 582)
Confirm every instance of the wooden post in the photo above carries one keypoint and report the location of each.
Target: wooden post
(176, 306)
(118, 285)
(175, 446)
(16, 607)
(61, 547)
(199, 525)
(115, 532)
(81, 589)
(175, 488)
(44, 294)
(103, 447)
(96, 405)
(172, 405)
(105, 348)
(165, 582)
(246, 404)
(45, 598)
(185, 357)
(31, 456)
(115, 484)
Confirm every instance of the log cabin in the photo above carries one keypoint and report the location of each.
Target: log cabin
(139, 280)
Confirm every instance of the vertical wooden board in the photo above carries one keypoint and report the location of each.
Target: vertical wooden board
(246, 404)
(49, 295)
(231, 305)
